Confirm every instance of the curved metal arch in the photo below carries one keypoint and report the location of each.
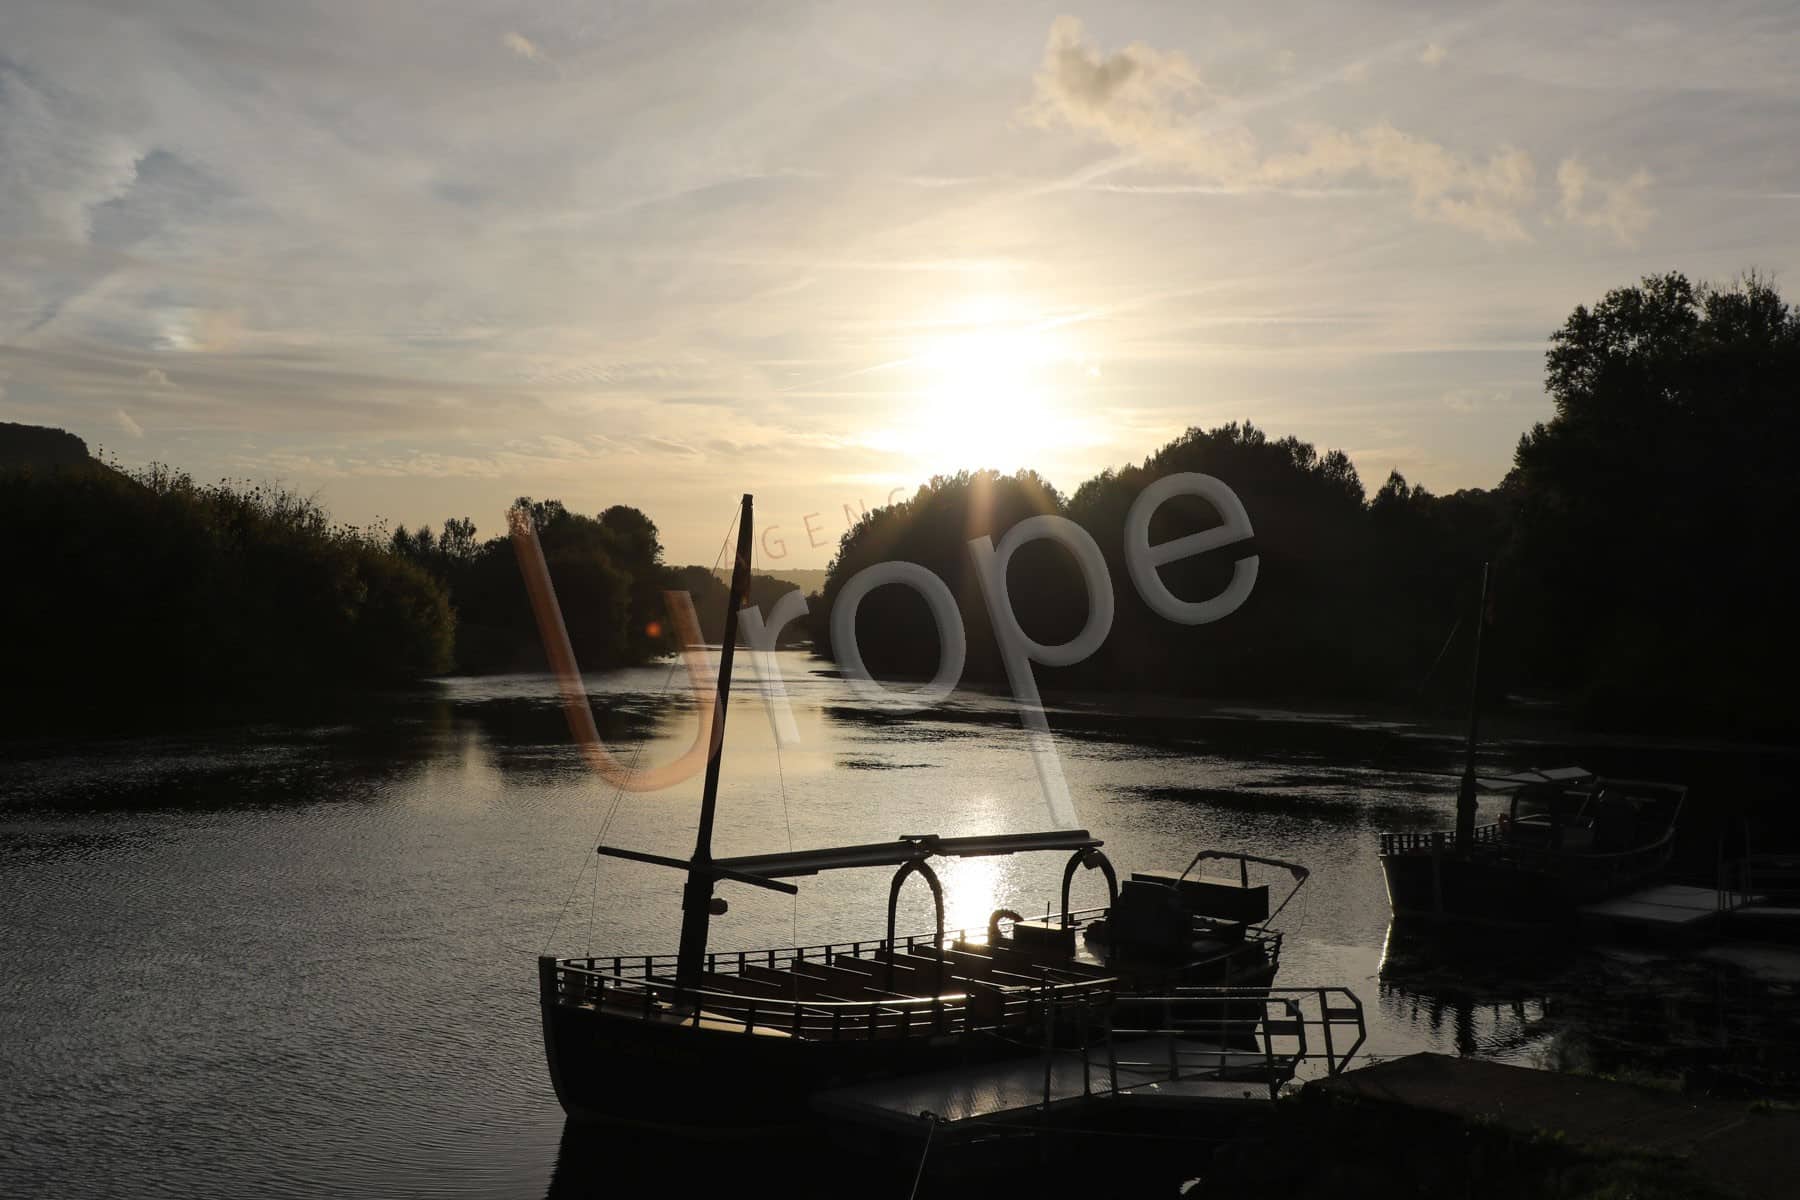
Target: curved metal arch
(994, 920)
(937, 900)
(1090, 859)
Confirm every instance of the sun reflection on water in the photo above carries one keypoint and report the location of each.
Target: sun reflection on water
(971, 892)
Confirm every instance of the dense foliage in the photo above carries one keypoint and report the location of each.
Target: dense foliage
(609, 579)
(1350, 597)
(1634, 543)
(1653, 506)
(606, 571)
(148, 583)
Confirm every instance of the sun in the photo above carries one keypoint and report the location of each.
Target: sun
(991, 389)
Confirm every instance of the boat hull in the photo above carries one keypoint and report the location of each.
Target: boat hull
(1447, 887)
(615, 1067)
(622, 1064)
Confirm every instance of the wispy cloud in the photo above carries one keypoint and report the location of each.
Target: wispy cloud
(129, 427)
(1157, 104)
(521, 45)
(1433, 54)
(1618, 206)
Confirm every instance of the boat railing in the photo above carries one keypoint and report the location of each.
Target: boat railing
(1263, 1036)
(782, 958)
(648, 966)
(1490, 841)
(818, 1019)
(1441, 841)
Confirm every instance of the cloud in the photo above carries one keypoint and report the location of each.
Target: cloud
(1482, 197)
(1618, 206)
(130, 427)
(1156, 104)
(56, 165)
(522, 46)
(1466, 400)
(1433, 54)
(154, 377)
(1356, 72)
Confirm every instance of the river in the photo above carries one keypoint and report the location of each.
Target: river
(299, 960)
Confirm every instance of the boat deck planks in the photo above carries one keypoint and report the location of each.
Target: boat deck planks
(994, 1091)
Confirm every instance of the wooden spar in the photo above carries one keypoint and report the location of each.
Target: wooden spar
(697, 897)
(1465, 796)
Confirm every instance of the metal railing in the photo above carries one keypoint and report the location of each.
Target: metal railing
(1437, 840)
(1256, 1035)
(1490, 843)
(645, 983)
(990, 1006)
(645, 966)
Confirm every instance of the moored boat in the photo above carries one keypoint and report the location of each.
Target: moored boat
(1568, 838)
(708, 1038)
(758, 1031)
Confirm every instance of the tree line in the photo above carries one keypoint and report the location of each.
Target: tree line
(232, 591)
(136, 590)
(1634, 545)
(610, 581)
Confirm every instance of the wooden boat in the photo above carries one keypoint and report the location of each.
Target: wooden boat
(1568, 838)
(704, 1038)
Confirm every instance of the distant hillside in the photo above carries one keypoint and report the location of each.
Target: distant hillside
(41, 446)
(808, 581)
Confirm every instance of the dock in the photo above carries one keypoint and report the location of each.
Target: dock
(1013, 1091)
(1667, 912)
(1718, 1142)
(1167, 1057)
(1775, 916)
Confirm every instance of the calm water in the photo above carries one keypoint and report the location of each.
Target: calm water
(300, 961)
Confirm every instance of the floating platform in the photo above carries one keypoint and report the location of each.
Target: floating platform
(1165, 1073)
(1668, 912)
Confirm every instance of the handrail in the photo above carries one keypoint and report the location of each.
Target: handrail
(1278, 1021)
(1440, 840)
(708, 994)
(1486, 836)
(1258, 1034)
(724, 961)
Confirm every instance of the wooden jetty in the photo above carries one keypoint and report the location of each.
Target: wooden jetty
(1667, 912)
(1722, 1144)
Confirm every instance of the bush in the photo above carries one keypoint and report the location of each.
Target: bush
(149, 580)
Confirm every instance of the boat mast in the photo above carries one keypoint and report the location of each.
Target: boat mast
(1465, 796)
(697, 898)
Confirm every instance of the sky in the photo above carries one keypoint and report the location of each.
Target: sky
(419, 259)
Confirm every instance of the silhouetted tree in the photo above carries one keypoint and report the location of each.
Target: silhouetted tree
(1653, 505)
(897, 636)
(226, 592)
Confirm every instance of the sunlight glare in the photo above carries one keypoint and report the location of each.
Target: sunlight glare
(992, 390)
